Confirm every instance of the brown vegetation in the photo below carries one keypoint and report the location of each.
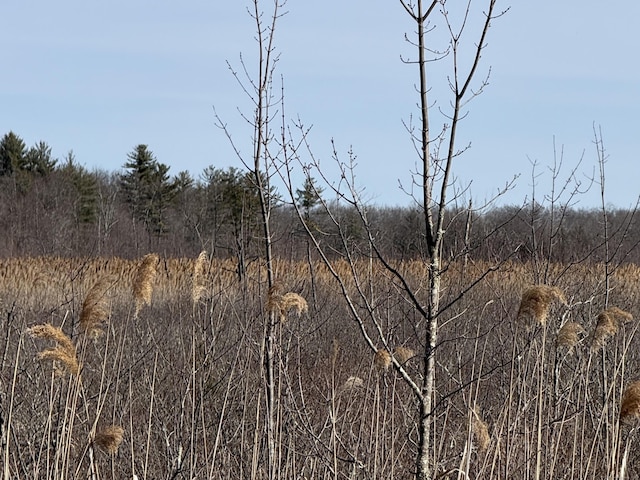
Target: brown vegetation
(183, 380)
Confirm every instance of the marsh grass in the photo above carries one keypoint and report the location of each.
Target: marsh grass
(183, 381)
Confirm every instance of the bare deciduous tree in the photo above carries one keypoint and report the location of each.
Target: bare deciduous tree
(437, 154)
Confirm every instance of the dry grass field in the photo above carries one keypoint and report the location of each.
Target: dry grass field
(152, 369)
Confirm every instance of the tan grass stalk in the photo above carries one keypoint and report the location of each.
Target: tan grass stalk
(403, 354)
(569, 336)
(64, 351)
(199, 285)
(536, 302)
(382, 360)
(110, 438)
(630, 404)
(143, 281)
(95, 309)
(608, 324)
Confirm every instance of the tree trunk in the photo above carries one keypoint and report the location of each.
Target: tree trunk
(424, 463)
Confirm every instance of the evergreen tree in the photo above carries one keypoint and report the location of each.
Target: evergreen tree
(38, 160)
(308, 196)
(12, 153)
(148, 188)
(85, 185)
(183, 181)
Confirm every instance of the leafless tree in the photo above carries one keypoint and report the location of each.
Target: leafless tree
(437, 153)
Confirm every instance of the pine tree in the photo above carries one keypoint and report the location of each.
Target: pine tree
(148, 188)
(85, 185)
(308, 196)
(38, 160)
(12, 153)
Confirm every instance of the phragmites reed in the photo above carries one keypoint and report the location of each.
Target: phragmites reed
(536, 302)
(63, 352)
(353, 383)
(569, 335)
(382, 360)
(199, 285)
(630, 405)
(281, 304)
(95, 309)
(293, 301)
(143, 281)
(403, 354)
(109, 438)
(480, 431)
(608, 323)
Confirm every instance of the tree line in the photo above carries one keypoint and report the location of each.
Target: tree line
(59, 207)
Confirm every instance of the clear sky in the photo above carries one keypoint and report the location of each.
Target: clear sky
(99, 78)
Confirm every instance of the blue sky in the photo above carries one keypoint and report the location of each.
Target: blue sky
(99, 78)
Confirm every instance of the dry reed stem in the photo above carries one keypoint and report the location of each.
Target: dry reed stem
(569, 335)
(110, 438)
(536, 302)
(199, 286)
(403, 354)
(382, 360)
(143, 281)
(95, 309)
(630, 405)
(64, 351)
(480, 431)
(608, 324)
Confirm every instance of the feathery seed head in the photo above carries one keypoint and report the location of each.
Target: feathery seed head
(294, 301)
(630, 405)
(608, 324)
(199, 286)
(480, 431)
(353, 383)
(281, 304)
(382, 360)
(109, 438)
(403, 354)
(64, 351)
(63, 356)
(569, 335)
(619, 314)
(536, 302)
(143, 281)
(95, 309)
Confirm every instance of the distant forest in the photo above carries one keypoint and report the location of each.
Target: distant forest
(58, 207)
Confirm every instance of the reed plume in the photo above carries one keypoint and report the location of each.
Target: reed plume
(63, 352)
(480, 431)
(569, 336)
(281, 304)
(95, 309)
(294, 301)
(382, 360)
(536, 302)
(630, 405)
(199, 286)
(403, 354)
(353, 383)
(110, 438)
(608, 324)
(143, 281)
